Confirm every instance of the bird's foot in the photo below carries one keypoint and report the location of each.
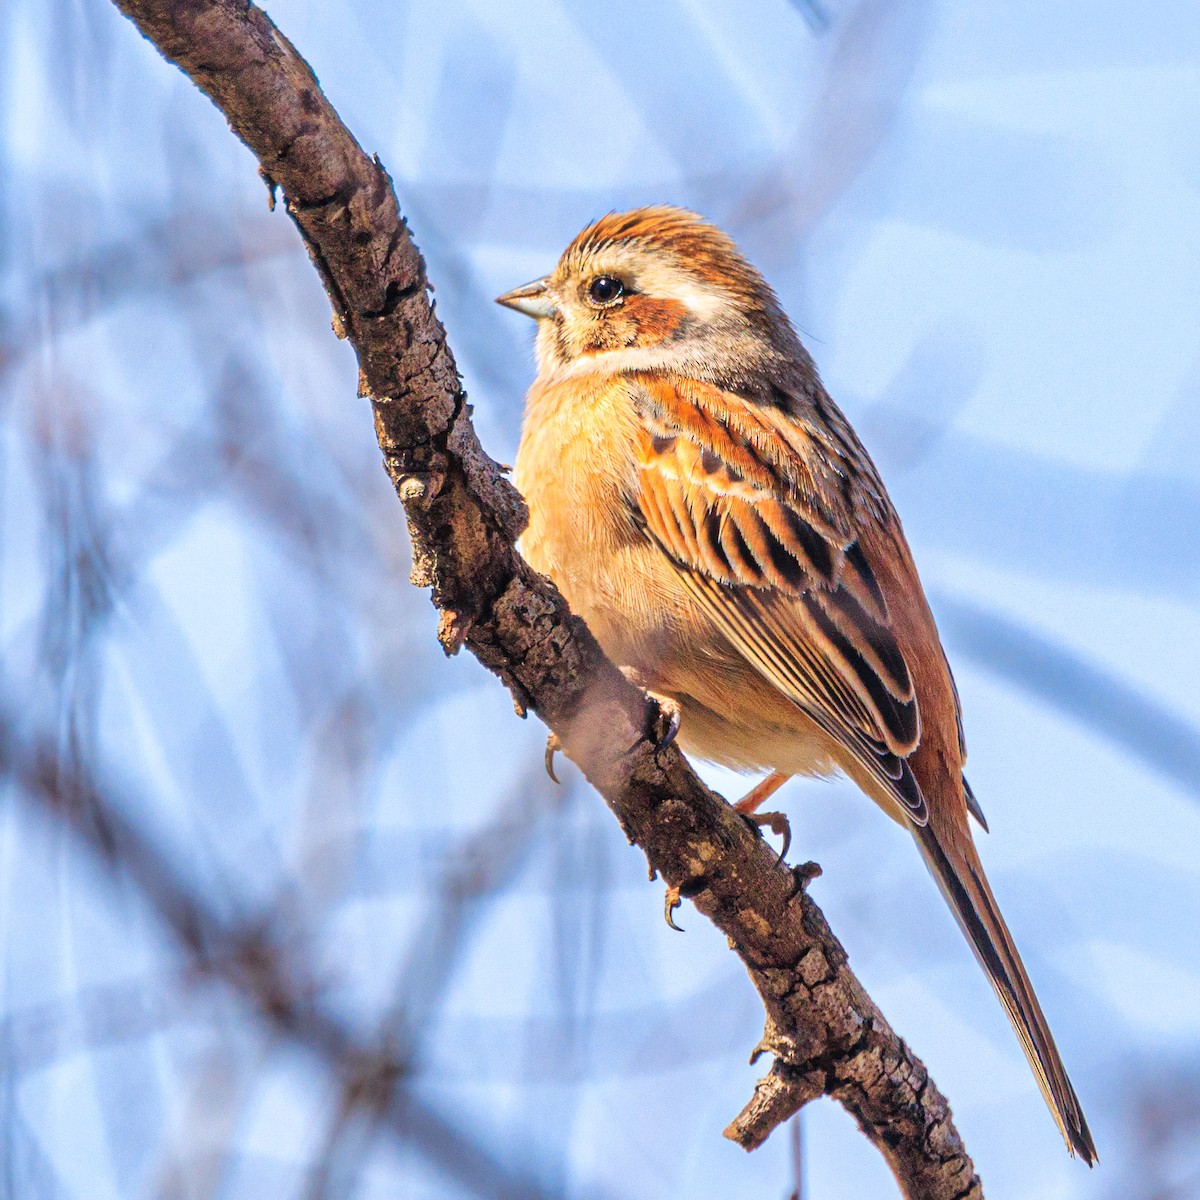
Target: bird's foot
(678, 892)
(662, 723)
(762, 791)
(776, 822)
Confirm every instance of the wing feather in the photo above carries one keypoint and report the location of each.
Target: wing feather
(764, 531)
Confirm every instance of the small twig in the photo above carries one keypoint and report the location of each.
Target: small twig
(478, 867)
(798, 1156)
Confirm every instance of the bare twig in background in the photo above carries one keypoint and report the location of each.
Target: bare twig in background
(826, 1034)
(252, 957)
(797, 1128)
(480, 865)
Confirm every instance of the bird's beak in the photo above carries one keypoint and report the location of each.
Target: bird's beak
(532, 299)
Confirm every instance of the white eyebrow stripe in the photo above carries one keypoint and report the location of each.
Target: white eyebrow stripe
(653, 276)
(703, 302)
(669, 282)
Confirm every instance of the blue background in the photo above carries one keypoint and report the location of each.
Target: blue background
(983, 218)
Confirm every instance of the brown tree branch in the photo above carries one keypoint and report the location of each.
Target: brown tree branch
(826, 1034)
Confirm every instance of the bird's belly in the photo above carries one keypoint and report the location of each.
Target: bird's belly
(746, 741)
(629, 593)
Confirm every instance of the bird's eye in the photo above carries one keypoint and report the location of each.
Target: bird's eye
(604, 289)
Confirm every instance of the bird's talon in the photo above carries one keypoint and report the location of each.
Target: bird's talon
(777, 823)
(662, 723)
(672, 903)
(666, 721)
(662, 719)
(553, 746)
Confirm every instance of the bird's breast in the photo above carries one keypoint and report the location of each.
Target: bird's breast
(576, 467)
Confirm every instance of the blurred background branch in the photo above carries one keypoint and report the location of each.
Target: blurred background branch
(263, 957)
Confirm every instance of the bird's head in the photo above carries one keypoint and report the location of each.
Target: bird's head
(651, 288)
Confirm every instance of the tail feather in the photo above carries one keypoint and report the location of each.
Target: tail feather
(956, 867)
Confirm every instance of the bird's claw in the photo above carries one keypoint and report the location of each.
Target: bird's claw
(662, 723)
(553, 746)
(672, 903)
(662, 718)
(665, 726)
(777, 823)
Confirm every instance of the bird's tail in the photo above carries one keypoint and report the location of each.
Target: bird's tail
(955, 865)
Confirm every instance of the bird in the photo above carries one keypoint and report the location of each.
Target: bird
(702, 503)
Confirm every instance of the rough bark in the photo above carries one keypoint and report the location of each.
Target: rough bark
(825, 1033)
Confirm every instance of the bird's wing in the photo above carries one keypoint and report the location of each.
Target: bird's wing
(761, 509)
(773, 515)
